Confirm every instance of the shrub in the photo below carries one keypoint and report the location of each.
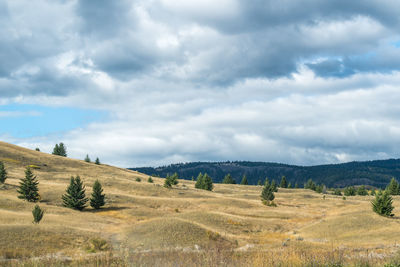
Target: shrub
(75, 197)
(171, 180)
(37, 213)
(204, 182)
(150, 180)
(383, 204)
(310, 185)
(97, 199)
(28, 187)
(138, 179)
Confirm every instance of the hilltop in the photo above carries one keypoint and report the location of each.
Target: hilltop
(375, 173)
(145, 224)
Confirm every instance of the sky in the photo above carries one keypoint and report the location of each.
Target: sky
(149, 83)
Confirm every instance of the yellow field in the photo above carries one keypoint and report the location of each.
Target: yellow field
(145, 224)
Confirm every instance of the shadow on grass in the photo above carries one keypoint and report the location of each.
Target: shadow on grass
(106, 209)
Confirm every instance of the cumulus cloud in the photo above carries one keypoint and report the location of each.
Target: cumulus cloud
(298, 82)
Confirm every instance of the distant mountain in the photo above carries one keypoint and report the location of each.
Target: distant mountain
(376, 173)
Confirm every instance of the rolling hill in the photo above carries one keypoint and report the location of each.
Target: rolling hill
(145, 224)
(375, 173)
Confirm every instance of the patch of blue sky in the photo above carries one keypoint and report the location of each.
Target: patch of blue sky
(24, 121)
(397, 44)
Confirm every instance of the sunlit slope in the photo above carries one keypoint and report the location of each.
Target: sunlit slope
(142, 216)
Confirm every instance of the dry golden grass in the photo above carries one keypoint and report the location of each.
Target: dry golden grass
(150, 225)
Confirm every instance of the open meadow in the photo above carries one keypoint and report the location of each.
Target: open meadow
(145, 224)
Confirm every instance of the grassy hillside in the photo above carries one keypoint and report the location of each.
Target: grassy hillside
(145, 224)
(375, 173)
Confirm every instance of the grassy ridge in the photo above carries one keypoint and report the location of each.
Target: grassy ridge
(150, 225)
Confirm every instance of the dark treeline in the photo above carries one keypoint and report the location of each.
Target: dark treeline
(375, 173)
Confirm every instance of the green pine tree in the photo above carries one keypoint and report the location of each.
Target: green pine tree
(383, 204)
(171, 180)
(337, 192)
(207, 182)
(228, 179)
(244, 180)
(283, 182)
(3, 173)
(289, 185)
(87, 159)
(274, 186)
(28, 187)
(199, 181)
(310, 185)
(393, 187)
(349, 191)
(373, 193)
(75, 197)
(97, 161)
(267, 194)
(97, 199)
(37, 213)
(361, 191)
(296, 185)
(319, 188)
(259, 182)
(150, 180)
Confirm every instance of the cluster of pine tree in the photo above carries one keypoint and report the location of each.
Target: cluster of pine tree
(393, 187)
(75, 196)
(204, 182)
(60, 150)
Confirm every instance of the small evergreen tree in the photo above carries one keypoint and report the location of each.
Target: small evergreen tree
(87, 159)
(283, 182)
(289, 185)
(199, 181)
(266, 181)
(267, 194)
(361, 191)
(319, 188)
(373, 192)
(259, 182)
(349, 191)
(37, 149)
(37, 213)
(207, 182)
(97, 199)
(228, 179)
(383, 204)
(150, 180)
(28, 187)
(393, 187)
(75, 197)
(337, 192)
(296, 185)
(274, 186)
(310, 185)
(97, 161)
(171, 180)
(244, 180)
(3, 173)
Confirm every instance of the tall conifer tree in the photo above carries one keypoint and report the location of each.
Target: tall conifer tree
(28, 187)
(75, 197)
(97, 199)
(3, 173)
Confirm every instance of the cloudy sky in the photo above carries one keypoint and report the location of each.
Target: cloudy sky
(147, 83)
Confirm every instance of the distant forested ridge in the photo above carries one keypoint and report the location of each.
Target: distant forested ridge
(376, 173)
